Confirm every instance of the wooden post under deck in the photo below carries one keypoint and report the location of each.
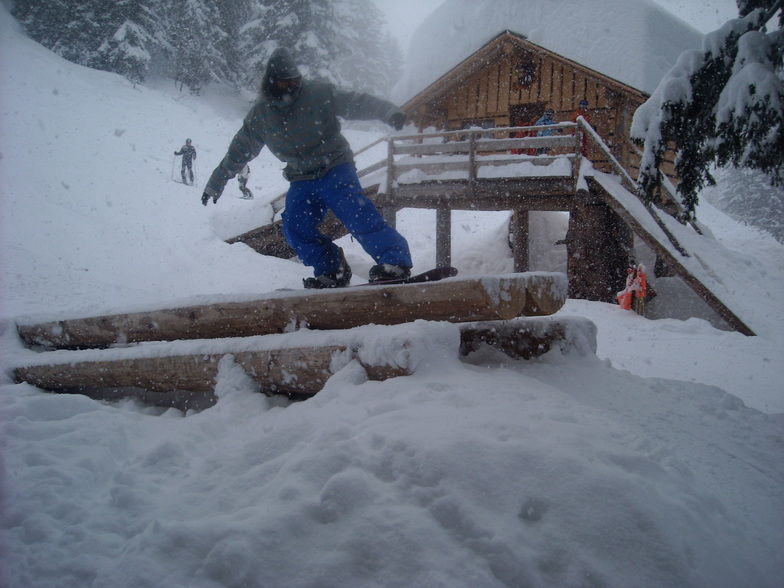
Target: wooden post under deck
(520, 246)
(443, 237)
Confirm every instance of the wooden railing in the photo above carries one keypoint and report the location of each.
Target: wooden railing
(469, 150)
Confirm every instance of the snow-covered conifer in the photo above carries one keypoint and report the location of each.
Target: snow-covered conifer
(721, 105)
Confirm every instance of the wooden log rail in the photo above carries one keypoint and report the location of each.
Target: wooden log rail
(455, 299)
(291, 369)
(297, 370)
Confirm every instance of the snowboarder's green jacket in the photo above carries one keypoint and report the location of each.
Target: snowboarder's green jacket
(304, 133)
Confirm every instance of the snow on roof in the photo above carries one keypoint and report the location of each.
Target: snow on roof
(633, 41)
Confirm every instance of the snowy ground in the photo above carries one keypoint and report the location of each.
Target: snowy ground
(656, 462)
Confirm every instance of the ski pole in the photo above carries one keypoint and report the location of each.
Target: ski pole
(174, 159)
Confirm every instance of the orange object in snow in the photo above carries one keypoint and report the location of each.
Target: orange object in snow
(625, 299)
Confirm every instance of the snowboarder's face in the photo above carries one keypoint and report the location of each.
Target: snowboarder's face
(288, 86)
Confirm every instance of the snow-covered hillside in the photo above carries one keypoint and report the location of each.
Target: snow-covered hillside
(657, 463)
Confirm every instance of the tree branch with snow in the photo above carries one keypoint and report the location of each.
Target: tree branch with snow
(723, 105)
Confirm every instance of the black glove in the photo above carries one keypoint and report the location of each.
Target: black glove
(175, 153)
(205, 198)
(398, 120)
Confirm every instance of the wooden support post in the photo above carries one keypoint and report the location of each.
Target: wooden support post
(519, 235)
(598, 246)
(443, 237)
(390, 215)
(389, 206)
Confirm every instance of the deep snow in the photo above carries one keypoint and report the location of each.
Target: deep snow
(655, 462)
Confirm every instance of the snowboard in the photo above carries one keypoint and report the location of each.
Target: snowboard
(433, 275)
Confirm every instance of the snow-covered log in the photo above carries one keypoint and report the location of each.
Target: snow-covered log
(525, 338)
(456, 300)
(298, 370)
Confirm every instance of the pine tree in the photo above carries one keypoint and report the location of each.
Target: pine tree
(130, 31)
(722, 105)
(256, 43)
(70, 29)
(234, 14)
(368, 59)
(196, 39)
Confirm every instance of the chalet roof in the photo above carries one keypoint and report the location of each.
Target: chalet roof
(633, 41)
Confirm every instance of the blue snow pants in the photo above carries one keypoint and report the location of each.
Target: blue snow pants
(307, 202)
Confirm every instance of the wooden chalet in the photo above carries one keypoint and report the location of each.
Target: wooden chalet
(511, 81)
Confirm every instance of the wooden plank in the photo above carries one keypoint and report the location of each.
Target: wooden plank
(546, 193)
(432, 148)
(456, 300)
(301, 370)
(492, 92)
(504, 76)
(546, 81)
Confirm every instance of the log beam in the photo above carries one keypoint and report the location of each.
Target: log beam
(455, 300)
(300, 370)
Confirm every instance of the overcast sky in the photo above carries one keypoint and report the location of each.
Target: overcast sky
(404, 16)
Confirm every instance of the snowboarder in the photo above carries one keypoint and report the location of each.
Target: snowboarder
(297, 120)
(242, 178)
(188, 153)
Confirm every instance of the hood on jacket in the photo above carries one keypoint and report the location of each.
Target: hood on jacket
(281, 66)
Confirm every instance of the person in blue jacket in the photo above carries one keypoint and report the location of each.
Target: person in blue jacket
(545, 119)
(297, 120)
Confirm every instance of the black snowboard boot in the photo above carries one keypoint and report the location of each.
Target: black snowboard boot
(386, 271)
(338, 279)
